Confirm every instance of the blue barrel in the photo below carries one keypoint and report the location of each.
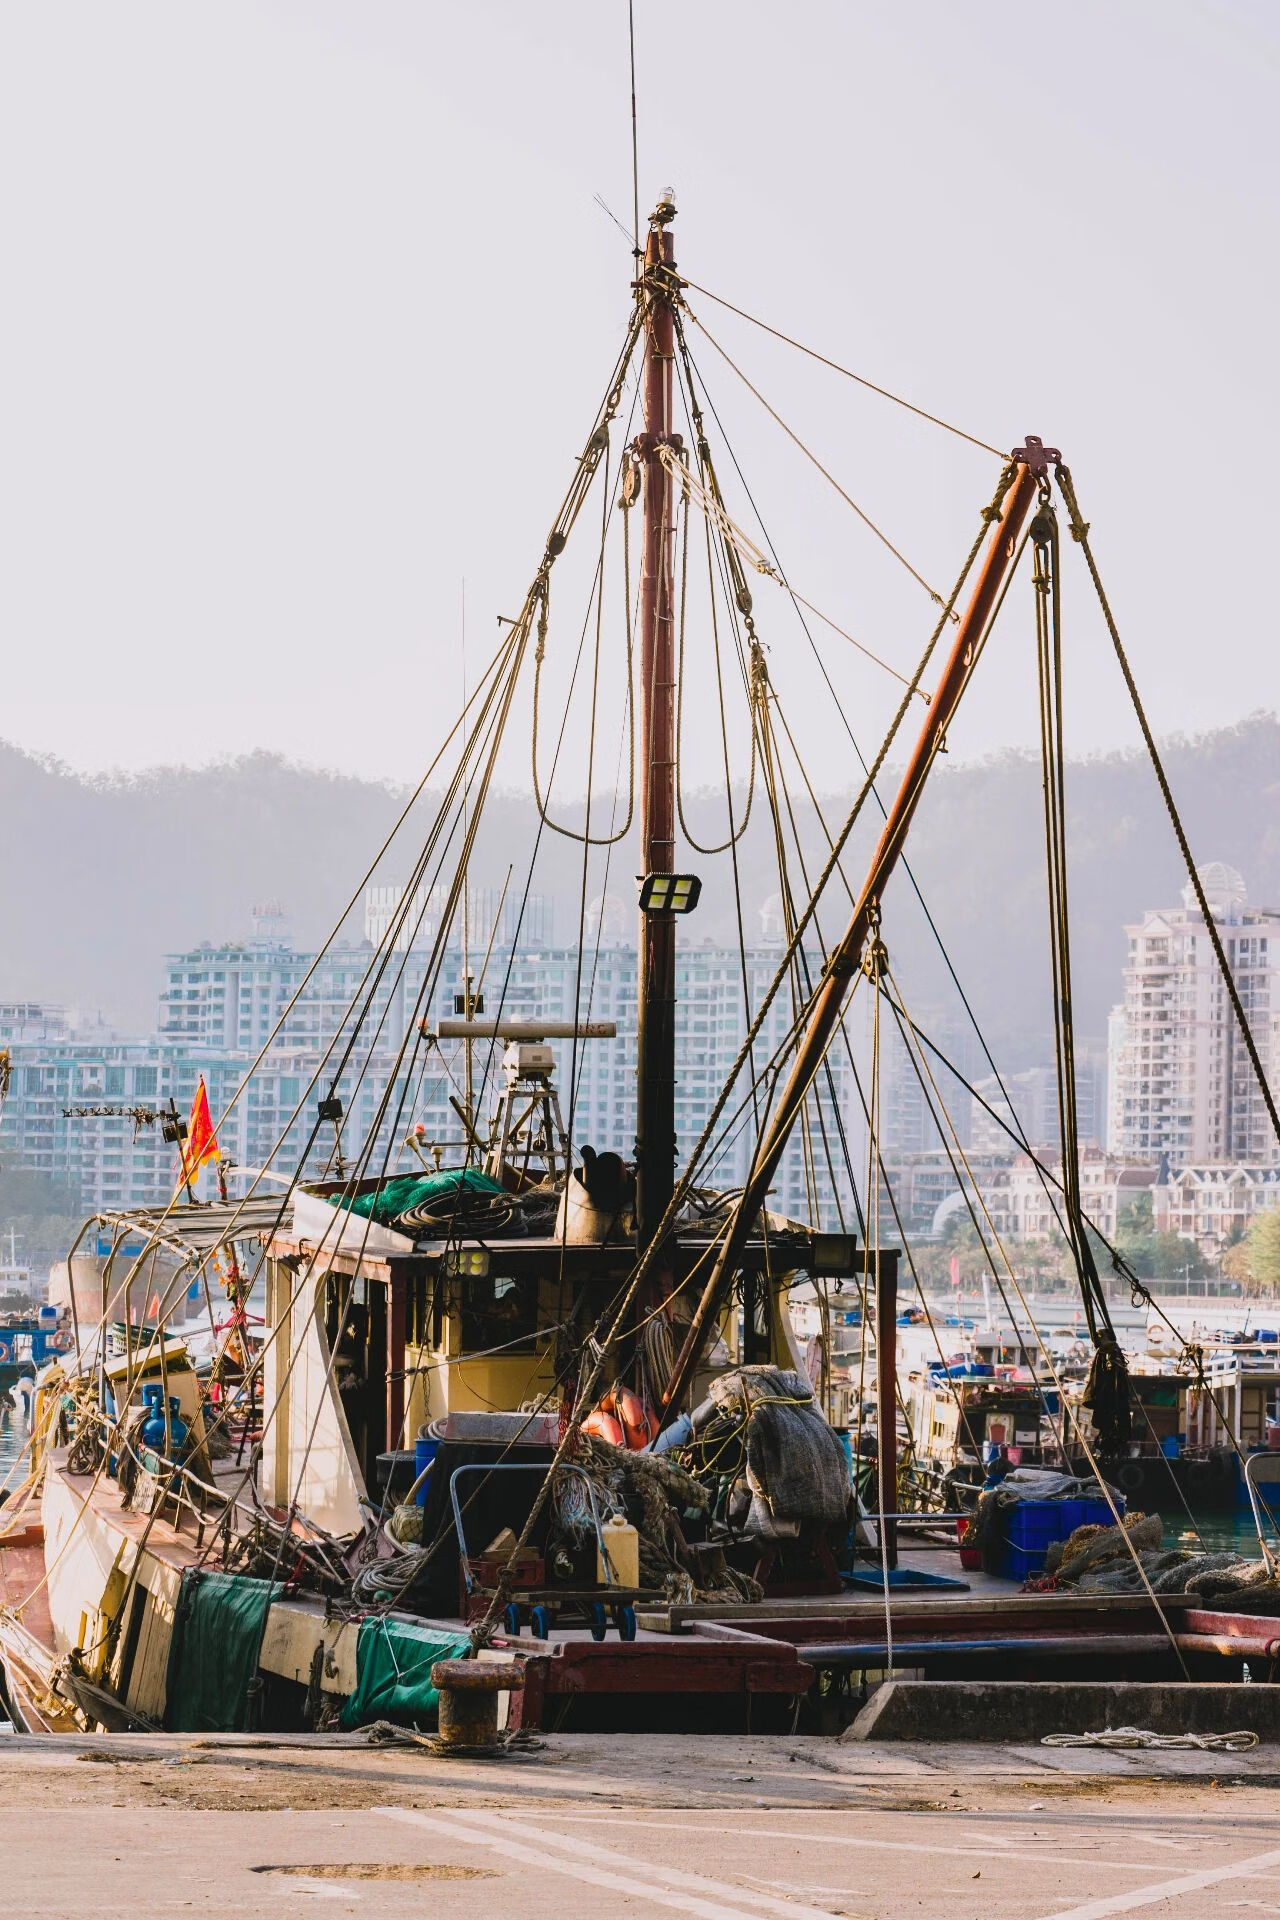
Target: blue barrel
(424, 1452)
(1171, 1446)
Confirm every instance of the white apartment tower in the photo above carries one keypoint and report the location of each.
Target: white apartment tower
(1180, 1080)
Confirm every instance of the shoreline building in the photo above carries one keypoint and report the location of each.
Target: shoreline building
(1181, 1084)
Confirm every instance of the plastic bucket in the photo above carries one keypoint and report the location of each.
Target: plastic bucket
(970, 1557)
(424, 1452)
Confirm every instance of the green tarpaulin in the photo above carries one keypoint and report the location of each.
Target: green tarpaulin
(409, 1190)
(393, 1671)
(213, 1655)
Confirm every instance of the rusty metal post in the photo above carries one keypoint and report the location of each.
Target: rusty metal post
(468, 1690)
(846, 959)
(887, 1395)
(656, 981)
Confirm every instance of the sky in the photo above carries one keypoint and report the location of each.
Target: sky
(309, 305)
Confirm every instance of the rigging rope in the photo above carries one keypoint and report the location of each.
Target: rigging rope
(649, 1256)
(859, 379)
(1080, 534)
(812, 457)
(1107, 1392)
(735, 833)
(538, 598)
(1066, 1409)
(732, 534)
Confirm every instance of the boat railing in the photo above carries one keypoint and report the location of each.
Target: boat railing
(1257, 1504)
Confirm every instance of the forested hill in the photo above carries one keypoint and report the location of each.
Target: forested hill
(101, 877)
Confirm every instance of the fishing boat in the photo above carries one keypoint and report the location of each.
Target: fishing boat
(544, 1398)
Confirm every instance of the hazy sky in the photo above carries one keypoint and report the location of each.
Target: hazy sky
(308, 305)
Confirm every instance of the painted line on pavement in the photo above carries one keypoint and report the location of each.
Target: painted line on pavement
(787, 1907)
(701, 1897)
(1260, 1863)
(983, 1852)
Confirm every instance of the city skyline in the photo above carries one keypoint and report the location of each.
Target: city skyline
(221, 1004)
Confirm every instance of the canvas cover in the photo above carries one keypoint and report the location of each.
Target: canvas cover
(213, 1655)
(394, 1659)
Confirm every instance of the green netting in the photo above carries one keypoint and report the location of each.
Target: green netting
(394, 1659)
(213, 1654)
(409, 1190)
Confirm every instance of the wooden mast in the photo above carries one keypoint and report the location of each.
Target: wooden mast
(656, 975)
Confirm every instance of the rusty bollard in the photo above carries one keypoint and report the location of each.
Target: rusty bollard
(469, 1692)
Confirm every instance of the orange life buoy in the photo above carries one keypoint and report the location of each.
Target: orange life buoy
(636, 1418)
(604, 1427)
(4, 1351)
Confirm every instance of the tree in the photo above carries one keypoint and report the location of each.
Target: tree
(44, 1215)
(1257, 1259)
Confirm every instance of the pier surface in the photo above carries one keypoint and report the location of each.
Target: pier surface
(719, 1828)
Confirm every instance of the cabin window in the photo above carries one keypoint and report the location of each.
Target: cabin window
(497, 1310)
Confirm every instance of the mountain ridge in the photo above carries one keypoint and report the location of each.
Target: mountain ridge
(126, 868)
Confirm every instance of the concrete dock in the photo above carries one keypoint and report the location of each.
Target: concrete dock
(720, 1828)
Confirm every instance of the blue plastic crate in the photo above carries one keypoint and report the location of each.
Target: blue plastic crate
(1034, 1525)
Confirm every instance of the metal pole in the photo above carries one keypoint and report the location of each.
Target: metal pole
(887, 1396)
(656, 982)
(846, 959)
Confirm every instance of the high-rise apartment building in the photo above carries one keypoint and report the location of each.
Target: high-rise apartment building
(349, 1021)
(1033, 1096)
(1180, 1081)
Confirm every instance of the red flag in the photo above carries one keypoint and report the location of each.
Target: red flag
(201, 1143)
